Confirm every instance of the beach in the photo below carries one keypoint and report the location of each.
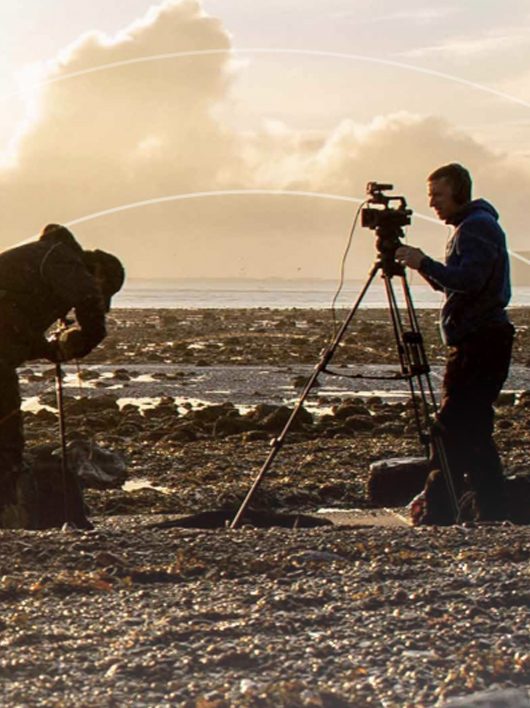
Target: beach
(137, 614)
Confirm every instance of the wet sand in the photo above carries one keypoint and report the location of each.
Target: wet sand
(130, 615)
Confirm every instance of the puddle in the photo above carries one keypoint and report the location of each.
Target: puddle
(144, 378)
(141, 402)
(73, 380)
(33, 405)
(183, 403)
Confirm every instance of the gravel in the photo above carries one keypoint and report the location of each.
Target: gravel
(131, 615)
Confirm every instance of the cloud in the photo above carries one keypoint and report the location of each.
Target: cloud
(419, 15)
(149, 130)
(465, 47)
(491, 55)
(125, 133)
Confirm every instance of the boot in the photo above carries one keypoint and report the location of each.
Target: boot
(433, 506)
(18, 499)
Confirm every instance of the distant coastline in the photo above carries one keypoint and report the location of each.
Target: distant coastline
(275, 293)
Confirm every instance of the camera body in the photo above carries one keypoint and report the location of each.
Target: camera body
(387, 221)
(382, 215)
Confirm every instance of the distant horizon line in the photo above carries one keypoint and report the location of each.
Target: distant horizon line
(225, 278)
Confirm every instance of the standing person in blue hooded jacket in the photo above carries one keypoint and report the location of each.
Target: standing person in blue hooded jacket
(476, 280)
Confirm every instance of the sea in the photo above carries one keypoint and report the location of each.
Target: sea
(274, 293)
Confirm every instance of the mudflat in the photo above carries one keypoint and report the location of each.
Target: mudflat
(138, 613)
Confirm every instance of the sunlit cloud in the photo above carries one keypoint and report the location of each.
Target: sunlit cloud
(471, 47)
(132, 147)
(418, 15)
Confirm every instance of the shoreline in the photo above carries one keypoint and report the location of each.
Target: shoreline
(264, 335)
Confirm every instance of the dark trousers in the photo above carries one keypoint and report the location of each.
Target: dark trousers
(475, 371)
(11, 435)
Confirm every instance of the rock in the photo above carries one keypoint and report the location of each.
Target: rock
(391, 429)
(88, 374)
(394, 482)
(96, 467)
(45, 416)
(261, 411)
(524, 399)
(84, 405)
(231, 425)
(505, 398)
(358, 423)
(209, 414)
(497, 698)
(275, 421)
(349, 408)
(49, 398)
(162, 411)
(184, 433)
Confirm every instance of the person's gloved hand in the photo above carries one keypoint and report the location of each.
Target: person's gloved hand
(70, 344)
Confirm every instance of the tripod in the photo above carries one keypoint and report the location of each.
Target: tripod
(415, 368)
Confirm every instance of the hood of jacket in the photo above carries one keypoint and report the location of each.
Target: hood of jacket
(475, 207)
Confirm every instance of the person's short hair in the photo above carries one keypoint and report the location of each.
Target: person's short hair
(459, 179)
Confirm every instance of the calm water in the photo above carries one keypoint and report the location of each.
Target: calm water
(273, 293)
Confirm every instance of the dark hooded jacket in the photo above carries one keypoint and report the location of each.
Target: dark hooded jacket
(476, 274)
(40, 282)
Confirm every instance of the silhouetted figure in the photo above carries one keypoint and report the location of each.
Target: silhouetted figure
(40, 282)
(476, 280)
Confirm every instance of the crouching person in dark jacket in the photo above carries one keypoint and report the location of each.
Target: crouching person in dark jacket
(40, 283)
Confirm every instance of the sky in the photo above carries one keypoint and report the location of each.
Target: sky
(227, 138)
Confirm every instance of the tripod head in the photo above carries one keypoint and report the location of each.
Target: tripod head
(387, 221)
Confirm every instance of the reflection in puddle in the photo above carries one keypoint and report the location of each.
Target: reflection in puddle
(141, 402)
(74, 380)
(33, 405)
(183, 403)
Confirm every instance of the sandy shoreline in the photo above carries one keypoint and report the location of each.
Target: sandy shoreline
(252, 617)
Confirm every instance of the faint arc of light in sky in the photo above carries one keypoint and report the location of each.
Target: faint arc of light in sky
(260, 50)
(244, 192)
(519, 257)
(227, 193)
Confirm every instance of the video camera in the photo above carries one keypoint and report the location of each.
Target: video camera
(386, 217)
(387, 222)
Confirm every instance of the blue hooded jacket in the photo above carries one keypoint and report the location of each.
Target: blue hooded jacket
(476, 274)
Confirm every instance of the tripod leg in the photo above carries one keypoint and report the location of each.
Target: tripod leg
(407, 362)
(278, 442)
(421, 368)
(420, 355)
(441, 455)
(73, 507)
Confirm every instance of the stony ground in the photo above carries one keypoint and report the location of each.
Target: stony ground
(329, 616)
